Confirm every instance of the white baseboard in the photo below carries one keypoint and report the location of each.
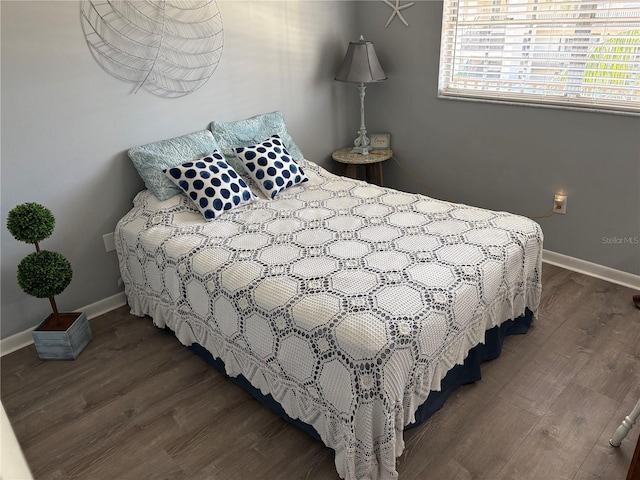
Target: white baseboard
(105, 305)
(22, 339)
(592, 269)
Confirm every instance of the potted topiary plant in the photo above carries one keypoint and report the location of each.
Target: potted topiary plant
(45, 274)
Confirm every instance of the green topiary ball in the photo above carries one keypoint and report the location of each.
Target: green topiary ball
(44, 274)
(30, 222)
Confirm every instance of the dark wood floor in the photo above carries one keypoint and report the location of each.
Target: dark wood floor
(136, 404)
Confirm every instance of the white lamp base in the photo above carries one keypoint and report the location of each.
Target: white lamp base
(361, 150)
(362, 142)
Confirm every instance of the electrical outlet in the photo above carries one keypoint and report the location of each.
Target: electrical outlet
(109, 242)
(560, 203)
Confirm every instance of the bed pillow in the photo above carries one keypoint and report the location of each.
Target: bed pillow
(243, 133)
(271, 166)
(150, 160)
(212, 184)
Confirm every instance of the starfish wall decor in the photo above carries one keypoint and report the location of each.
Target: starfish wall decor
(397, 11)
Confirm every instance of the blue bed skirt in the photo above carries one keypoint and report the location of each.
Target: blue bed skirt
(468, 372)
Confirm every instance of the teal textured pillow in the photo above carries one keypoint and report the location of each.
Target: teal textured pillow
(243, 133)
(150, 160)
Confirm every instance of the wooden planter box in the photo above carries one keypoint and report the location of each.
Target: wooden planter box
(63, 340)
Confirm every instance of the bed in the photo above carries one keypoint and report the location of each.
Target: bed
(344, 302)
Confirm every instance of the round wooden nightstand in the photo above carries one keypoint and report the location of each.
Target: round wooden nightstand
(373, 163)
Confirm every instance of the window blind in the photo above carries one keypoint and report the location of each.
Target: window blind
(572, 53)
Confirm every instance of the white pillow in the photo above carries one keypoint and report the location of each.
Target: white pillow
(212, 184)
(271, 166)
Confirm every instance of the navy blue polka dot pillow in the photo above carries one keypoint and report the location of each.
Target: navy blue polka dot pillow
(212, 184)
(271, 166)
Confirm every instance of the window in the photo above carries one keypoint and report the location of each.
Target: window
(572, 53)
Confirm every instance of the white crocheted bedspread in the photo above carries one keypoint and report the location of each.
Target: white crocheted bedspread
(345, 301)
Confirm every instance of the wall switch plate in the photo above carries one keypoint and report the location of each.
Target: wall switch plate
(560, 203)
(109, 242)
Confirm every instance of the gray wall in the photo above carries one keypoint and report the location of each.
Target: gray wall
(504, 157)
(66, 124)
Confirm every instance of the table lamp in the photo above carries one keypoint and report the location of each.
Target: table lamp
(361, 66)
